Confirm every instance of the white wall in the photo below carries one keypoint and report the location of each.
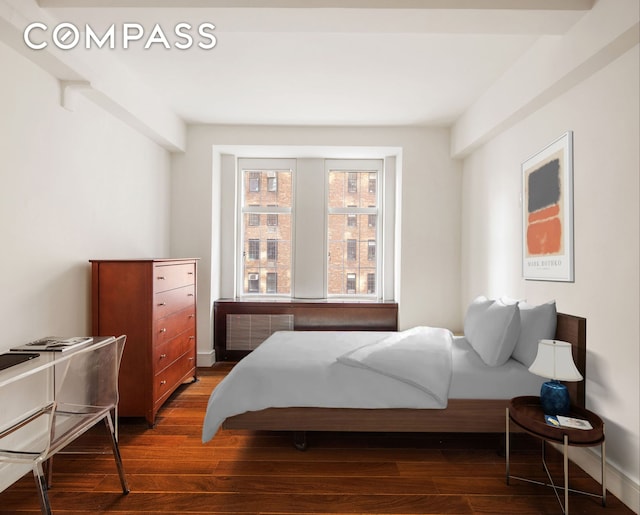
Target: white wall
(603, 113)
(75, 186)
(430, 199)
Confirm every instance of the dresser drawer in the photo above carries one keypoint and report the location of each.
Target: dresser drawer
(170, 301)
(171, 377)
(168, 277)
(166, 353)
(171, 326)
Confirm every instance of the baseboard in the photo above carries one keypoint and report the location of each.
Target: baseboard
(619, 484)
(206, 359)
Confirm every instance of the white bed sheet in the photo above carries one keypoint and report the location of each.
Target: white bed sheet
(473, 379)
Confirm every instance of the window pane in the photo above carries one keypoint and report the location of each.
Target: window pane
(254, 249)
(272, 282)
(352, 254)
(272, 184)
(253, 283)
(266, 206)
(372, 182)
(267, 251)
(272, 250)
(276, 190)
(371, 283)
(351, 283)
(352, 249)
(254, 181)
(348, 189)
(371, 250)
(352, 182)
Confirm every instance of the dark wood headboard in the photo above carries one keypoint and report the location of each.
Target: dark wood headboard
(573, 329)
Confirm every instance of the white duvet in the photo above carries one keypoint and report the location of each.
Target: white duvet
(326, 369)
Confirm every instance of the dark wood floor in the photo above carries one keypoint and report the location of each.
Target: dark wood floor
(171, 471)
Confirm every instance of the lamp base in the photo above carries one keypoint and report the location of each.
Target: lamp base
(554, 398)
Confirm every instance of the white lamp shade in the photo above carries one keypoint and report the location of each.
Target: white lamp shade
(554, 361)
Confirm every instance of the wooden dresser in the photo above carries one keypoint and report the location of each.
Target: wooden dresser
(153, 302)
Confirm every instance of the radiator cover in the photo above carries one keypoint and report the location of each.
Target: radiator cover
(246, 331)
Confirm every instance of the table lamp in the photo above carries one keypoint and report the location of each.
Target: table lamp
(554, 361)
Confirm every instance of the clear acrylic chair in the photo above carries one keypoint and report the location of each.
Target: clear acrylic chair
(85, 392)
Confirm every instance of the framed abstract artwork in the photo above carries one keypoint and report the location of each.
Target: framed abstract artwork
(547, 212)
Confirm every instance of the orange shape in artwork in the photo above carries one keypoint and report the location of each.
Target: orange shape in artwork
(544, 237)
(545, 213)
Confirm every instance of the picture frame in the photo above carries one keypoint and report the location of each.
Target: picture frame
(547, 212)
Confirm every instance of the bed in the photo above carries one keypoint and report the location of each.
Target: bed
(468, 407)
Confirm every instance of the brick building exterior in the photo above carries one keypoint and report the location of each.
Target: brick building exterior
(352, 236)
(352, 233)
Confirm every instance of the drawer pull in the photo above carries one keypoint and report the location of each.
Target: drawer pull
(192, 337)
(162, 356)
(189, 294)
(163, 330)
(191, 316)
(163, 382)
(161, 278)
(162, 304)
(189, 273)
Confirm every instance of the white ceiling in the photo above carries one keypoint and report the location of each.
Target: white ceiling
(279, 64)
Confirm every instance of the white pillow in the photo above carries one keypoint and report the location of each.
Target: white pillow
(475, 310)
(495, 333)
(536, 323)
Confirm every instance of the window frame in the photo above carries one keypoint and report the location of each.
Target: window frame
(365, 166)
(270, 166)
(309, 281)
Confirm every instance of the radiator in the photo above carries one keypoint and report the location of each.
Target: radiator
(246, 332)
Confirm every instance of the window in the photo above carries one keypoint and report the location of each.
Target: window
(254, 249)
(371, 283)
(352, 183)
(352, 219)
(373, 180)
(272, 183)
(351, 283)
(352, 250)
(266, 232)
(272, 250)
(371, 219)
(371, 250)
(352, 194)
(254, 182)
(272, 282)
(253, 285)
(291, 221)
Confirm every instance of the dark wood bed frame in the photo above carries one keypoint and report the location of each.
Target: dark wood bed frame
(460, 416)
